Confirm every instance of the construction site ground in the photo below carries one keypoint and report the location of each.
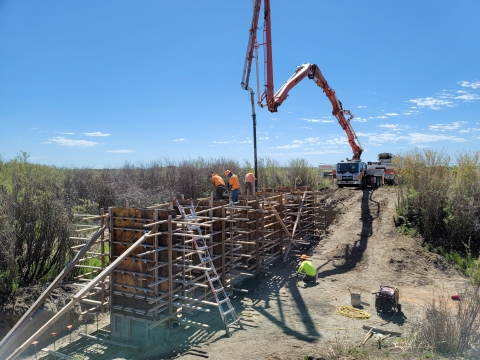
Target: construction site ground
(360, 251)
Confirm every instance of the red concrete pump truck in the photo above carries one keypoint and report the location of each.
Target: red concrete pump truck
(352, 172)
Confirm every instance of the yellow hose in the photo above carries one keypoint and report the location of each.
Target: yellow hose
(352, 312)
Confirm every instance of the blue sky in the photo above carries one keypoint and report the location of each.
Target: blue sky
(98, 84)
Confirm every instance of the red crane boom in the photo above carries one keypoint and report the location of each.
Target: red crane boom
(273, 101)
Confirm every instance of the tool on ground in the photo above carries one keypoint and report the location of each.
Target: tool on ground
(368, 336)
(386, 299)
(352, 312)
(227, 311)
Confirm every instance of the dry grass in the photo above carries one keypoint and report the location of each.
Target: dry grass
(447, 329)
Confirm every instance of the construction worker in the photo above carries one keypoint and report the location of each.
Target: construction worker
(219, 186)
(307, 267)
(250, 183)
(233, 185)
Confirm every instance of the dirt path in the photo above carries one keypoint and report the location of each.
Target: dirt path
(361, 250)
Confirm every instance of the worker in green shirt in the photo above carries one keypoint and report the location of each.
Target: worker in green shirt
(307, 267)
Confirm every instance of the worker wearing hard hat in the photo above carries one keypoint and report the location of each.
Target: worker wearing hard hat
(307, 267)
(219, 186)
(250, 183)
(233, 185)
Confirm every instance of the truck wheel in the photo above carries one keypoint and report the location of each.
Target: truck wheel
(340, 186)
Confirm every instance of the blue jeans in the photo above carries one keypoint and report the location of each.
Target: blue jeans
(235, 194)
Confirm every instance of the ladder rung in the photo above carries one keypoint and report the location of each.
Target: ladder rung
(219, 289)
(228, 311)
(233, 322)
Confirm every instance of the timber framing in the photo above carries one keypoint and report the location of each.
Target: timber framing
(152, 272)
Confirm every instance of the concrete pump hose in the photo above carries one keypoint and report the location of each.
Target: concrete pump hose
(352, 312)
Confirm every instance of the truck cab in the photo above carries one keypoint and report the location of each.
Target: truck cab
(356, 173)
(351, 173)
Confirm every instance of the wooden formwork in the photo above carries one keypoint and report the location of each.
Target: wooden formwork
(154, 272)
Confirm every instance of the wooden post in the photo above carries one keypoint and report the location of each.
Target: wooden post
(257, 240)
(224, 265)
(170, 272)
(102, 259)
(155, 258)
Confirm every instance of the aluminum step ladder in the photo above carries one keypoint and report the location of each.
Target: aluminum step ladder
(227, 311)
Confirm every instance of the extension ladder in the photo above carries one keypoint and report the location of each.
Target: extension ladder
(227, 311)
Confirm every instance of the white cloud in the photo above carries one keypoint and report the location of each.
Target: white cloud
(64, 133)
(468, 97)
(244, 142)
(181, 139)
(342, 140)
(317, 120)
(416, 138)
(60, 140)
(391, 114)
(312, 139)
(120, 151)
(97, 133)
(444, 127)
(381, 117)
(361, 107)
(431, 102)
(469, 130)
(359, 120)
(413, 138)
(473, 84)
(273, 119)
(290, 146)
(221, 142)
(322, 152)
(395, 127)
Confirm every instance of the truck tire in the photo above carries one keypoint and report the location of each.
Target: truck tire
(340, 186)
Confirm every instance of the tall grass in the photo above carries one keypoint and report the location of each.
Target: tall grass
(442, 202)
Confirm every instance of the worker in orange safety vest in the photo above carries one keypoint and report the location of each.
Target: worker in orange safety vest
(250, 183)
(219, 186)
(233, 185)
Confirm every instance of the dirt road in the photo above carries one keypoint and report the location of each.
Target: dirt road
(361, 250)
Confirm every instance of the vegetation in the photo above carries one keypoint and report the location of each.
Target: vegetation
(441, 203)
(37, 202)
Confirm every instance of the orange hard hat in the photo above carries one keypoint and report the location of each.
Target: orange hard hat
(303, 257)
(227, 172)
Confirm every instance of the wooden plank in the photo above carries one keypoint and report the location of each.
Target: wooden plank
(57, 354)
(26, 317)
(99, 339)
(381, 331)
(76, 298)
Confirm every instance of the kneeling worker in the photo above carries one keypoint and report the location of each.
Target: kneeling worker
(219, 186)
(307, 267)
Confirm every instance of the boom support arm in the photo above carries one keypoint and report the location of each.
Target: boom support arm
(314, 73)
